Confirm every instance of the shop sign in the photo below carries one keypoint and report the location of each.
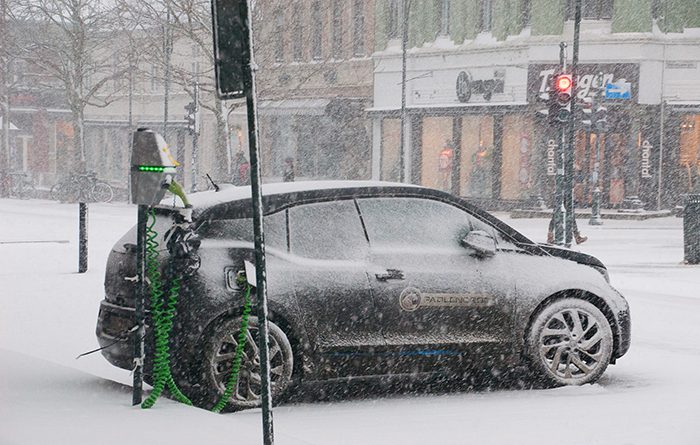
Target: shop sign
(620, 75)
(466, 86)
(646, 159)
(552, 157)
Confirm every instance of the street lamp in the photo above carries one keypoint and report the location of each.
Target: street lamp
(404, 43)
(599, 125)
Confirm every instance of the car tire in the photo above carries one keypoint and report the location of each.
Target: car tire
(570, 343)
(217, 361)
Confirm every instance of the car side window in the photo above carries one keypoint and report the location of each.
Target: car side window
(415, 223)
(327, 231)
(274, 227)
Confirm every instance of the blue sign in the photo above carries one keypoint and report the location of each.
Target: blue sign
(618, 90)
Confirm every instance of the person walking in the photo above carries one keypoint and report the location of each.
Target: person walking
(288, 170)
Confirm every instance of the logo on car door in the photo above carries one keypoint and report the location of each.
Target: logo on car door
(411, 299)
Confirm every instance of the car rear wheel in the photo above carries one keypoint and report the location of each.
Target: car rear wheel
(570, 343)
(219, 355)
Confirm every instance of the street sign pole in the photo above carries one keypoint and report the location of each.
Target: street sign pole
(260, 266)
(235, 67)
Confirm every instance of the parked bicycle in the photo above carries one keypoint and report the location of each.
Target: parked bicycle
(17, 185)
(82, 188)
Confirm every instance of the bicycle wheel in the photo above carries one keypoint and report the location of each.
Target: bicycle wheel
(55, 192)
(102, 192)
(69, 192)
(27, 191)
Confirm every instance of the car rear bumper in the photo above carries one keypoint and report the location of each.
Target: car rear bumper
(115, 333)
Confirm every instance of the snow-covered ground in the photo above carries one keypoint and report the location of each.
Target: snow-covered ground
(48, 313)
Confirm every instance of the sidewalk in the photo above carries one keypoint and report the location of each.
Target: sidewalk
(635, 215)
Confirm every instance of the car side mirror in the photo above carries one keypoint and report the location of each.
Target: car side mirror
(482, 242)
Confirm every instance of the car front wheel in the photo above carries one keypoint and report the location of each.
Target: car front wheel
(219, 356)
(570, 343)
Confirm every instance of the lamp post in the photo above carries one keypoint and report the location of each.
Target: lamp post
(404, 43)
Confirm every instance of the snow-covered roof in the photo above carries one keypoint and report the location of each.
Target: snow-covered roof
(229, 193)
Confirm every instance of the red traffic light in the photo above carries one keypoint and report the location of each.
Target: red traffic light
(563, 82)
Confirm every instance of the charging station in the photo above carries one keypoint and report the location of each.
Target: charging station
(152, 170)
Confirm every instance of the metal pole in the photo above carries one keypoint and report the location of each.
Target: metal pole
(83, 238)
(167, 50)
(139, 305)
(559, 210)
(569, 148)
(4, 95)
(595, 208)
(260, 267)
(195, 138)
(404, 43)
(661, 152)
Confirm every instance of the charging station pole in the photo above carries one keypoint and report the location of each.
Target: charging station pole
(140, 304)
(152, 171)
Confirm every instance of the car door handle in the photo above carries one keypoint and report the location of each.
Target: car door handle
(390, 274)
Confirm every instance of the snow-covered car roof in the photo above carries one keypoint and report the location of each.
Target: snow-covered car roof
(228, 193)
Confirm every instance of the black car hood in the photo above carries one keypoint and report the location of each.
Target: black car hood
(572, 255)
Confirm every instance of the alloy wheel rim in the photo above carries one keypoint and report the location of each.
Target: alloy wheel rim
(248, 384)
(571, 344)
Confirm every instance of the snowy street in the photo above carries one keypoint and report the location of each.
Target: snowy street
(48, 314)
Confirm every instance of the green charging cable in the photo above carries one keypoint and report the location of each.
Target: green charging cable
(163, 312)
(239, 351)
(162, 317)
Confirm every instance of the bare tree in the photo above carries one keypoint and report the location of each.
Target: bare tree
(181, 30)
(66, 40)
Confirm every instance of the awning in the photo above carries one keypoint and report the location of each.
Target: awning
(12, 126)
(288, 107)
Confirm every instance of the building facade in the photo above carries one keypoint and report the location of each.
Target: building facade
(476, 74)
(314, 84)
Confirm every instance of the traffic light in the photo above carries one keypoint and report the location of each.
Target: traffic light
(560, 94)
(586, 112)
(191, 118)
(600, 115)
(593, 115)
(231, 47)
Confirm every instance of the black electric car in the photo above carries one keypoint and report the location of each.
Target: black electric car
(369, 279)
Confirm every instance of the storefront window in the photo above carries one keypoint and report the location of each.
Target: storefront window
(690, 153)
(436, 169)
(476, 156)
(391, 142)
(517, 147)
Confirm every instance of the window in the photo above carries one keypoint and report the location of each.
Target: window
(297, 33)
(327, 231)
(590, 9)
(241, 229)
(394, 19)
(444, 7)
(413, 223)
(485, 15)
(337, 28)
(359, 28)
(279, 35)
(316, 31)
